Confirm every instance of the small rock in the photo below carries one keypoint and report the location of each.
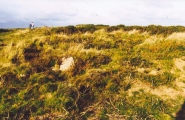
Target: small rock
(22, 75)
(141, 70)
(153, 72)
(67, 64)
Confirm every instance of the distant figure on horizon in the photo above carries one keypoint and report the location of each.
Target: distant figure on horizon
(31, 25)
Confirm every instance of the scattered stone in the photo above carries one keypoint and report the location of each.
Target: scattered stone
(22, 75)
(56, 67)
(67, 63)
(153, 72)
(156, 72)
(141, 70)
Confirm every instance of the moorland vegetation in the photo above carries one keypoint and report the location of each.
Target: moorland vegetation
(119, 72)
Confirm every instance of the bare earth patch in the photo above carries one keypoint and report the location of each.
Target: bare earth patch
(163, 91)
(179, 63)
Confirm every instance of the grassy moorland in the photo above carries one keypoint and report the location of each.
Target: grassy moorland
(120, 72)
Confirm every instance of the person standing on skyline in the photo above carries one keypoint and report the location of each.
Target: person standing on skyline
(31, 25)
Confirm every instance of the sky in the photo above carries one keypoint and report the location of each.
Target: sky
(52, 13)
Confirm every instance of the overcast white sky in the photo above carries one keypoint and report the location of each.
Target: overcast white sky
(19, 13)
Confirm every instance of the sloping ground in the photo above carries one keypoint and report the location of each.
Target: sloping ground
(163, 91)
(114, 75)
(180, 82)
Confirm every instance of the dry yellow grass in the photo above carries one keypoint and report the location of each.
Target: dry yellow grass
(133, 32)
(177, 36)
(19, 32)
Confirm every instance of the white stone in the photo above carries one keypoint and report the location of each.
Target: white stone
(141, 70)
(153, 72)
(67, 64)
(22, 75)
